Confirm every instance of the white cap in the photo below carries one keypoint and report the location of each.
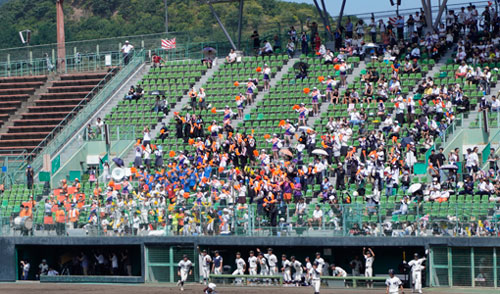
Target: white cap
(212, 286)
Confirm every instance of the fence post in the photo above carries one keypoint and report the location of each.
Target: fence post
(495, 268)
(450, 268)
(8, 65)
(472, 269)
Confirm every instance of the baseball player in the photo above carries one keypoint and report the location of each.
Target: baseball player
(241, 266)
(337, 271)
(369, 258)
(299, 270)
(320, 261)
(272, 261)
(205, 261)
(217, 264)
(286, 269)
(308, 270)
(210, 289)
(393, 284)
(264, 267)
(185, 269)
(315, 277)
(252, 264)
(416, 272)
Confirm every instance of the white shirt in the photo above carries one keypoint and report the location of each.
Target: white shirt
(240, 263)
(268, 47)
(271, 259)
(297, 266)
(205, 260)
(315, 273)
(114, 261)
(317, 214)
(252, 262)
(339, 272)
(416, 264)
(287, 265)
(127, 48)
(369, 261)
(393, 284)
(185, 266)
(321, 263)
(232, 56)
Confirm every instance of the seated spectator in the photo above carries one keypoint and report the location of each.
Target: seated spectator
(317, 217)
(130, 94)
(462, 70)
(156, 60)
(232, 57)
(267, 49)
(495, 104)
(415, 53)
(328, 57)
(415, 66)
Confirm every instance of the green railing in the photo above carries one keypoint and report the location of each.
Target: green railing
(76, 119)
(463, 219)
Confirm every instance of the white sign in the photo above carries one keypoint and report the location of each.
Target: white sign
(107, 59)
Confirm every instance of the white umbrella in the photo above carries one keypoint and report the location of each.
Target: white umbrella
(414, 188)
(305, 129)
(449, 166)
(371, 45)
(320, 152)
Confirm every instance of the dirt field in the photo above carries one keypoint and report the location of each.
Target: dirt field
(35, 287)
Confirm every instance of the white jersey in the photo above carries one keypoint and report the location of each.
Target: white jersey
(206, 260)
(416, 264)
(240, 263)
(321, 262)
(185, 266)
(271, 259)
(369, 261)
(297, 266)
(315, 274)
(263, 264)
(339, 272)
(393, 283)
(252, 262)
(286, 264)
(309, 266)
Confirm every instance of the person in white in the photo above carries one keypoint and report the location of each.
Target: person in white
(308, 270)
(264, 267)
(185, 269)
(205, 261)
(369, 259)
(272, 261)
(315, 275)
(286, 269)
(299, 270)
(126, 49)
(337, 271)
(320, 261)
(416, 272)
(240, 267)
(231, 57)
(393, 284)
(252, 264)
(317, 217)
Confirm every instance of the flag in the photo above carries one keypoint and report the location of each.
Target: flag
(168, 44)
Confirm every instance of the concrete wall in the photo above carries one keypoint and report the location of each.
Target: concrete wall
(8, 244)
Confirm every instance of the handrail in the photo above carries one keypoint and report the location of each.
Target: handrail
(136, 60)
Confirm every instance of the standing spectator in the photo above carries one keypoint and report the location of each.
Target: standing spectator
(256, 41)
(290, 48)
(349, 27)
(156, 60)
(25, 267)
(373, 30)
(303, 43)
(29, 177)
(411, 24)
(126, 52)
(400, 27)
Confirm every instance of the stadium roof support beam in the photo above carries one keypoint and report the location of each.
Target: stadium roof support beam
(440, 13)
(341, 14)
(324, 17)
(220, 22)
(426, 5)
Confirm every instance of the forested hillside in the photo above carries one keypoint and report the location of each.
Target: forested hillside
(90, 19)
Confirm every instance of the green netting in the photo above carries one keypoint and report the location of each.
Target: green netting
(483, 267)
(461, 267)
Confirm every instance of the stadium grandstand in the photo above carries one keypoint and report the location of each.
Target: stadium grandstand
(379, 138)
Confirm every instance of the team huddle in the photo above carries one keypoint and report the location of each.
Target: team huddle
(292, 271)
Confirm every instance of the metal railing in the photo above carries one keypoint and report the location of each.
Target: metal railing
(76, 119)
(151, 217)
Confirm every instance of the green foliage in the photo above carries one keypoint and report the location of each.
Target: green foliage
(90, 19)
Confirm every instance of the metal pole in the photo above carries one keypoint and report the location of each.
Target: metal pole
(166, 16)
(222, 26)
(440, 13)
(327, 20)
(240, 24)
(339, 22)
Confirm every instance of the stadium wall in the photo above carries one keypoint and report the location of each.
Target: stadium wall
(12, 250)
